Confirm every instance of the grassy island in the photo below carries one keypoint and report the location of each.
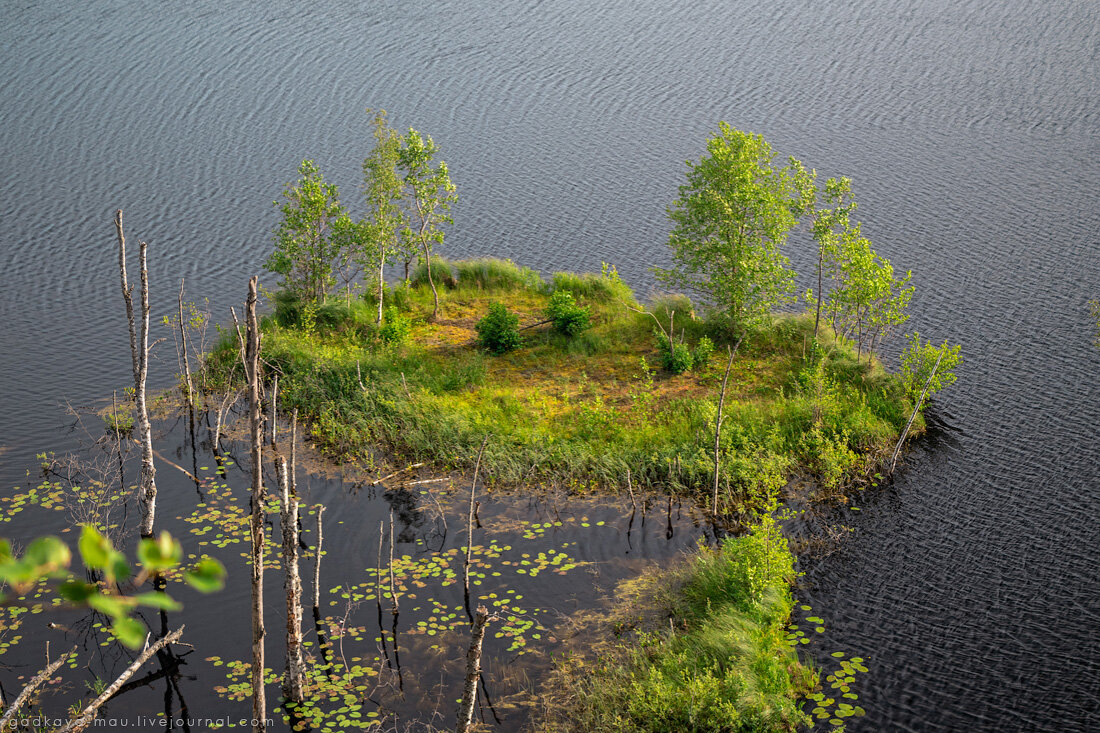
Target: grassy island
(583, 411)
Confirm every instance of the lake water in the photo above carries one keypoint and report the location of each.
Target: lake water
(971, 131)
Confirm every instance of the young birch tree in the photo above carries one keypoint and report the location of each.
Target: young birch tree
(309, 239)
(430, 193)
(731, 221)
(385, 218)
(830, 212)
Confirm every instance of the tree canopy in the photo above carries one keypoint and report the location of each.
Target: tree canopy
(731, 221)
(311, 236)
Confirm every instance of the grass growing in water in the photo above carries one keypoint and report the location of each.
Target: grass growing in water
(722, 663)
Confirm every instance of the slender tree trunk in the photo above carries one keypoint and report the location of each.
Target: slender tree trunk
(186, 360)
(431, 280)
(473, 671)
(294, 680)
(317, 561)
(139, 352)
(381, 285)
(912, 417)
(90, 712)
(718, 427)
(272, 411)
(256, 526)
(820, 285)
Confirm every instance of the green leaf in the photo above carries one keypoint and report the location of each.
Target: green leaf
(95, 549)
(76, 591)
(207, 577)
(128, 631)
(158, 600)
(162, 553)
(119, 569)
(48, 554)
(113, 606)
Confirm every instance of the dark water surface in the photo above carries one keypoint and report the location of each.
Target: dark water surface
(970, 129)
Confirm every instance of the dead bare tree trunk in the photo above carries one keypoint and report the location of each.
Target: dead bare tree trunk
(36, 682)
(294, 680)
(139, 353)
(718, 427)
(317, 560)
(183, 347)
(272, 411)
(90, 712)
(256, 526)
(473, 671)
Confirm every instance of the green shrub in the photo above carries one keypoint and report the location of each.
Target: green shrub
(702, 351)
(491, 273)
(675, 357)
(919, 359)
(395, 327)
(497, 332)
(442, 273)
(568, 317)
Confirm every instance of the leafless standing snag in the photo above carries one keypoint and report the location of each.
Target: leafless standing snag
(294, 680)
(256, 525)
(183, 350)
(139, 352)
(473, 670)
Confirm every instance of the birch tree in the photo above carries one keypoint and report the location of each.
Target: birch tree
(385, 219)
(731, 221)
(430, 194)
(307, 241)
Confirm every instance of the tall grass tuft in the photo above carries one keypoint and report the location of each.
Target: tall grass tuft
(493, 274)
(594, 288)
(443, 273)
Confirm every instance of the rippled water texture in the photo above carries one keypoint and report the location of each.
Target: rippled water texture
(970, 130)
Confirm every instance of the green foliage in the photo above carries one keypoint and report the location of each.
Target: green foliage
(866, 301)
(724, 663)
(677, 358)
(497, 332)
(314, 232)
(493, 274)
(919, 359)
(730, 223)
(385, 219)
(430, 193)
(48, 559)
(701, 354)
(568, 317)
(395, 327)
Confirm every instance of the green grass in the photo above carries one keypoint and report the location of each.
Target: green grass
(578, 412)
(713, 655)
